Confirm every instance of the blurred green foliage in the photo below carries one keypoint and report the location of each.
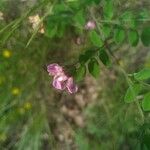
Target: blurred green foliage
(27, 103)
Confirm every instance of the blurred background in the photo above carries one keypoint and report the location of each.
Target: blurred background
(35, 116)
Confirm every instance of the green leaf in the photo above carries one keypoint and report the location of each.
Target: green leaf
(80, 73)
(108, 9)
(83, 58)
(119, 35)
(146, 142)
(79, 19)
(97, 1)
(128, 19)
(61, 30)
(143, 15)
(104, 57)
(106, 30)
(146, 102)
(143, 74)
(61, 7)
(94, 68)
(95, 39)
(145, 36)
(132, 92)
(91, 2)
(50, 30)
(133, 37)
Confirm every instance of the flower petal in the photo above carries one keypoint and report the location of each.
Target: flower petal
(61, 77)
(59, 82)
(90, 25)
(54, 69)
(58, 85)
(71, 87)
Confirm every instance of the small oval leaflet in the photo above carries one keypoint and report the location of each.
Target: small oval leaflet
(104, 57)
(146, 102)
(145, 36)
(80, 73)
(119, 35)
(94, 68)
(95, 39)
(144, 74)
(133, 37)
(132, 92)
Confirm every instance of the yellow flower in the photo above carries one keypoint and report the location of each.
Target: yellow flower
(21, 110)
(15, 91)
(6, 53)
(27, 105)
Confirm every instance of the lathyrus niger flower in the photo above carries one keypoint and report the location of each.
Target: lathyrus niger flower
(61, 81)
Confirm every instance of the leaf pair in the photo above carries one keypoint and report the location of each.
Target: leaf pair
(120, 35)
(135, 89)
(93, 67)
(133, 36)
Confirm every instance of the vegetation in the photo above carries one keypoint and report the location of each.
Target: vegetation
(104, 46)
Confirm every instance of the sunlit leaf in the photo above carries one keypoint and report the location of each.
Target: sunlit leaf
(80, 18)
(146, 102)
(95, 39)
(108, 9)
(143, 74)
(132, 92)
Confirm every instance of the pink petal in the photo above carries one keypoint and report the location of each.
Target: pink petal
(71, 87)
(61, 77)
(59, 85)
(54, 69)
(59, 82)
(90, 25)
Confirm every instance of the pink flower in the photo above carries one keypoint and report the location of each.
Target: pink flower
(90, 25)
(54, 69)
(60, 80)
(71, 87)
